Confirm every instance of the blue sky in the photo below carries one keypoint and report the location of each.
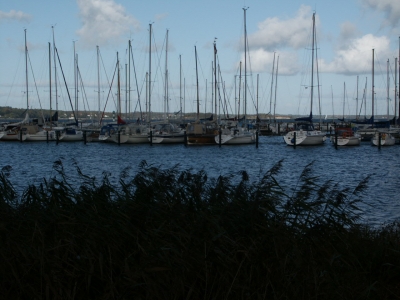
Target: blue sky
(347, 31)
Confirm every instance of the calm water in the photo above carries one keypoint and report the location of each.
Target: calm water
(31, 162)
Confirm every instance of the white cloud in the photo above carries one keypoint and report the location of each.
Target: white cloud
(104, 22)
(356, 56)
(13, 15)
(274, 33)
(391, 8)
(261, 61)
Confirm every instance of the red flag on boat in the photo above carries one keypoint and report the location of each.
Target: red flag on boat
(120, 121)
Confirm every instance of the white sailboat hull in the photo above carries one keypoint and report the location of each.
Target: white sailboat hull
(348, 141)
(386, 140)
(305, 138)
(168, 139)
(228, 139)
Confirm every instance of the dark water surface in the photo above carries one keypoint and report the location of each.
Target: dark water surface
(31, 162)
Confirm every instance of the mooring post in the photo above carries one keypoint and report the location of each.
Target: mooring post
(256, 138)
(294, 140)
(184, 138)
(379, 140)
(119, 137)
(84, 137)
(336, 137)
(47, 136)
(219, 134)
(57, 137)
(20, 135)
(151, 137)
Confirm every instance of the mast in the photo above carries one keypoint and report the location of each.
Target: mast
(387, 91)
(166, 79)
(119, 89)
(272, 84)
(180, 84)
(147, 96)
(26, 73)
(312, 63)
(129, 75)
(51, 118)
(75, 82)
(395, 90)
(373, 91)
(333, 109)
(98, 82)
(245, 65)
(55, 68)
(344, 97)
(150, 75)
(215, 78)
(357, 100)
(197, 87)
(257, 97)
(240, 85)
(276, 86)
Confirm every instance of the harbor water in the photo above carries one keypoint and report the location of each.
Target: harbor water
(31, 162)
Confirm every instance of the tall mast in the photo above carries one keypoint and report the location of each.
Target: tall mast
(357, 101)
(245, 65)
(147, 96)
(75, 81)
(387, 91)
(215, 78)
(197, 87)
(373, 90)
(26, 73)
(166, 78)
(395, 90)
(344, 97)
(55, 68)
(240, 85)
(180, 83)
(51, 119)
(276, 85)
(126, 90)
(98, 82)
(272, 84)
(312, 63)
(129, 75)
(119, 89)
(149, 75)
(258, 78)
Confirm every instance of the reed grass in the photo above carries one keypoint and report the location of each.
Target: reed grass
(170, 234)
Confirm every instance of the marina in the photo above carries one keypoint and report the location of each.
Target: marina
(31, 162)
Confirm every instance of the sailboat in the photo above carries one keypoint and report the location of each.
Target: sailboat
(344, 134)
(383, 136)
(304, 132)
(36, 130)
(198, 132)
(133, 132)
(238, 134)
(166, 132)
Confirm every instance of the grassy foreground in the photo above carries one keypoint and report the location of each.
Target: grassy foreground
(169, 234)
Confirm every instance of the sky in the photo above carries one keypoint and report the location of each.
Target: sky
(346, 34)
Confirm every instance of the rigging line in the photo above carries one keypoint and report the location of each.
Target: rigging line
(136, 82)
(109, 91)
(83, 89)
(34, 80)
(66, 86)
(108, 81)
